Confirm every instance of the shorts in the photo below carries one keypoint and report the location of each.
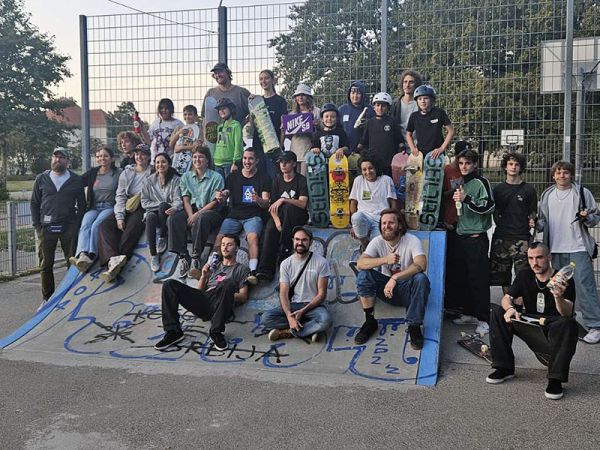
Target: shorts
(505, 254)
(234, 226)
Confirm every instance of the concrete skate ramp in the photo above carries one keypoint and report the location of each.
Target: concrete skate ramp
(91, 322)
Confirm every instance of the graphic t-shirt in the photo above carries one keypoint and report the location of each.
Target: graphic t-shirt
(289, 189)
(238, 272)
(183, 160)
(160, 132)
(330, 140)
(408, 247)
(372, 196)
(534, 291)
(240, 194)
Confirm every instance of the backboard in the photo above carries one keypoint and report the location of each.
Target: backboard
(510, 138)
(586, 53)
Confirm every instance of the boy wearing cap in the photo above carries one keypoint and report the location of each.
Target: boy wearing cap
(57, 207)
(229, 149)
(302, 290)
(287, 210)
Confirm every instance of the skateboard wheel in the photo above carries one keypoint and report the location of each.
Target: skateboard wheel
(463, 334)
(542, 321)
(485, 348)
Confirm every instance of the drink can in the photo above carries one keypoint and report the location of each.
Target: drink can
(213, 261)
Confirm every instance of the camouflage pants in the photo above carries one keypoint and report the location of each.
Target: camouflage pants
(505, 254)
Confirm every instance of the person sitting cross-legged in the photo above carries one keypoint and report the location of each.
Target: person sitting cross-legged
(219, 289)
(302, 290)
(392, 268)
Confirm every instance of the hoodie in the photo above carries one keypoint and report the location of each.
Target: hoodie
(349, 113)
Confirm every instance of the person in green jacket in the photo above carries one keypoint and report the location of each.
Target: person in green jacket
(229, 147)
(475, 204)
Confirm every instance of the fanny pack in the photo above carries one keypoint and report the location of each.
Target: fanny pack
(54, 228)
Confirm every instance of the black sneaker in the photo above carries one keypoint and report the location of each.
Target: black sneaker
(416, 337)
(554, 391)
(195, 269)
(219, 341)
(252, 278)
(170, 338)
(366, 331)
(499, 375)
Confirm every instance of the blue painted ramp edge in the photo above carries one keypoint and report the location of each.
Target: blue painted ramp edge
(432, 324)
(72, 277)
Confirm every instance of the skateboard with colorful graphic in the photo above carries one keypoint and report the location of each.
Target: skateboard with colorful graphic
(433, 179)
(399, 176)
(475, 345)
(211, 122)
(339, 183)
(263, 124)
(414, 187)
(318, 195)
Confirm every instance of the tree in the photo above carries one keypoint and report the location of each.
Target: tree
(119, 120)
(29, 67)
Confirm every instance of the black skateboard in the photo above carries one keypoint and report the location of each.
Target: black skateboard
(475, 345)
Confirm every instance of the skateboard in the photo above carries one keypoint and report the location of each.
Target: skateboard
(531, 332)
(298, 123)
(475, 345)
(433, 178)
(318, 196)
(211, 122)
(339, 205)
(263, 124)
(414, 187)
(398, 175)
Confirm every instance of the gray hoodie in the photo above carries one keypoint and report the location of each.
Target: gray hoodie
(124, 189)
(153, 194)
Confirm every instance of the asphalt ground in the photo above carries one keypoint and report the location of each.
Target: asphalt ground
(59, 405)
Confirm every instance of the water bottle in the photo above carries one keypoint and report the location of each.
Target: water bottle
(136, 123)
(213, 262)
(564, 274)
(458, 208)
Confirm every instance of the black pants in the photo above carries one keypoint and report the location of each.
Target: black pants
(172, 227)
(276, 243)
(207, 224)
(114, 242)
(47, 250)
(473, 274)
(454, 272)
(215, 305)
(561, 334)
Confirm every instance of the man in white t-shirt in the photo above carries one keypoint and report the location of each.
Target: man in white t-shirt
(302, 290)
(392, 268)
(564, 218)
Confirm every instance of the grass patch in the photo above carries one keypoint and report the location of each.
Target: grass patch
(25, 239)
(19, 185)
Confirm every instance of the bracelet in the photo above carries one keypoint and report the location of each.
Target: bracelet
(395, 281)
(512, 307)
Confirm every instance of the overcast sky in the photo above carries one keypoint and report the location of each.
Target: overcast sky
(61, 19)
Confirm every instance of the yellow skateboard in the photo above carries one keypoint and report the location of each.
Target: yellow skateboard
(339, 183)
(414, 188)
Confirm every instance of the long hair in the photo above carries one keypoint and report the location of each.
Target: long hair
(168, 103)
(170, 172)
(402, 225)
(310, 102)
(108, 150)
(272, 75)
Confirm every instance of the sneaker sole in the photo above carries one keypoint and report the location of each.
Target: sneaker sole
(162, 347)
(110, 275)
(498, 380)
(554, 396)
(217, 347)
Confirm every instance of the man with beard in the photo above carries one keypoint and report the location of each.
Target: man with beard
(302, 290)
(530, 294)
(57, 207)
(220, 287)
(392, 268)
(222, 74)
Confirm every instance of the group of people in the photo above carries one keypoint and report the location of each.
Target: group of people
(175, 187)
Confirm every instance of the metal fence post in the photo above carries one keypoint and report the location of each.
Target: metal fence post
(11, 209)
(384, 23)
(568, 82)
(85, 95)
(223, 34)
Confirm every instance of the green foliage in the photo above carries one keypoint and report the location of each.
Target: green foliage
(119, 120)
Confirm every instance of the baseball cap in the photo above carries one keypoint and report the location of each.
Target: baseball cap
(142, 148)
(301, 228)
(61, 151)
(220, 66)
(288, 156)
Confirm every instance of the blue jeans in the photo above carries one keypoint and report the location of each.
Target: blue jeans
(585, 285)
(88, 234)
(234, 226)
(364, 225)
(314, 321)
(411, 293)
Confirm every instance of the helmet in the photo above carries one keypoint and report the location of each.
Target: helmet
(303, 89)
(225, 103)
(329, 107)
(382, 97)
(424, 89)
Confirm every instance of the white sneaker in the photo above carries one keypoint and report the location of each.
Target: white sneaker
(161, 245)
(115, 264)
(84, 262)
(464, 319)
(593, 336)
(482, 328)
(155, 263)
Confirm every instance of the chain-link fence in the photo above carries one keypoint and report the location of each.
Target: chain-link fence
(18, 247)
